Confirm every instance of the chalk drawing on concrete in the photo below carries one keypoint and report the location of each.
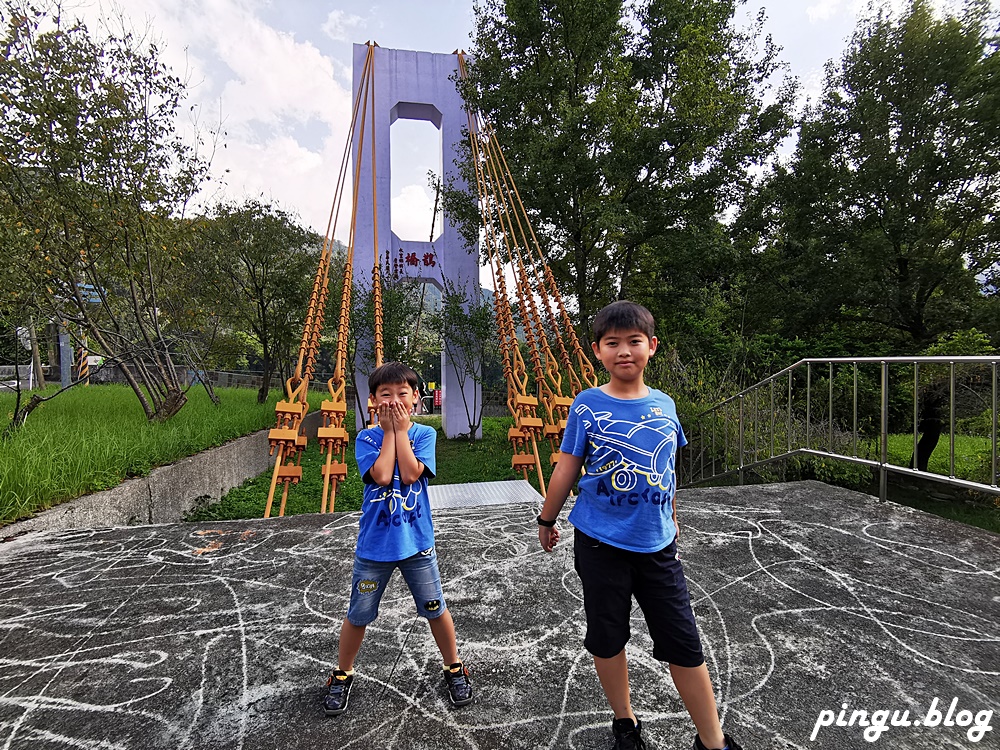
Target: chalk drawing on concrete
(143, 638)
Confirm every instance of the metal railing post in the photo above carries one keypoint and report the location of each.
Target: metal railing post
(788, 435)
(725, 439)
(756, 424)
(883, 474)
(854, 430)
(951, 424)
(808, 404)
(690, 450)
(829, 414)
(993, 421)
(916, 411)
(714, 420)
(701, 432)
(741, 440)
(772, 420)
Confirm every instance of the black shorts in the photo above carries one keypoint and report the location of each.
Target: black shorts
(611, 576)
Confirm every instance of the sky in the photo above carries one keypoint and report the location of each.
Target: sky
(275, 75)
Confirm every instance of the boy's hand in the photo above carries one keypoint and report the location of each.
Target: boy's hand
(386, 419)
(399, 413)
(548, 537)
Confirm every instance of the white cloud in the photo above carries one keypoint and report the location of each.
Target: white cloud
(266, 87)
(824, 10)
(338, 24)
(412, 209)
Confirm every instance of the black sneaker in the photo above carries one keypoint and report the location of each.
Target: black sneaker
(338, 693)
(459, 687)
(628, 735)
(730, 743)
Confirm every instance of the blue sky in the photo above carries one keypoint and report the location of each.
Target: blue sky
(277, 75)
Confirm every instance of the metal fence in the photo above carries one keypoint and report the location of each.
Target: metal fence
(25, 376)
(886, 413)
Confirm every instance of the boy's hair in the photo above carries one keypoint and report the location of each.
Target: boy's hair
(622, 316)
(392, 373)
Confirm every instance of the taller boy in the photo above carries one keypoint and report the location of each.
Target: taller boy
(626, 436)
(395, 459)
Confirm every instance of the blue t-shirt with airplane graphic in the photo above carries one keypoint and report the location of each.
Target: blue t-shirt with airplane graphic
(629, 447)
(395, 520)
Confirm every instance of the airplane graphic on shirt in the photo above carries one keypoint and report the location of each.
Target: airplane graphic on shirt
(616, 450)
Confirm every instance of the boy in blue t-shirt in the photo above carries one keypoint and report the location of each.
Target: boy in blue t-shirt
(626, 435)
(395, 459)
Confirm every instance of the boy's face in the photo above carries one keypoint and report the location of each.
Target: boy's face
(624, 354)
(400, 393)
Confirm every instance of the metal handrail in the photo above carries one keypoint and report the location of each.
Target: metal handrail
(753, 412)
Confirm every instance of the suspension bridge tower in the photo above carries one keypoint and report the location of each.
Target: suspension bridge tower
(412, 86)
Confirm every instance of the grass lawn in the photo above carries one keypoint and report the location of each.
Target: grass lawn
(458, 461)
(93, 438)
(972, 462)
(972, 456)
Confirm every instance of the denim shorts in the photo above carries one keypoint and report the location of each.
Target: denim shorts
(611, 576)
(371, 577)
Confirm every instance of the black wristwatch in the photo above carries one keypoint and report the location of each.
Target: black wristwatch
(543, 522)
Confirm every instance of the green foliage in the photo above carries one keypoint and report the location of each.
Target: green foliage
(972, 453)
(981, 424)
(839, 473)
(93, 176)
(251, 270)
(961, 343)
(883, 224)
(629, 129)
(467, 329)
(93, 438)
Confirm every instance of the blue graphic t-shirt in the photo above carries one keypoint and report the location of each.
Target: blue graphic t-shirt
(629, 446)
(395, 520)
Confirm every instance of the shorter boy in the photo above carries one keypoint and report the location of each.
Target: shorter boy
(395, 458)
(626, 435)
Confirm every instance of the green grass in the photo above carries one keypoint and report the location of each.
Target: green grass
(972, 456)
(973, 461)
(458, 461)
(90, 439)
(93, 438)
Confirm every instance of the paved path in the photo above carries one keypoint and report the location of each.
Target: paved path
(220, 635)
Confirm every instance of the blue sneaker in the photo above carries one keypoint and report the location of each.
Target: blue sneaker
(338, 692)
(459, 687)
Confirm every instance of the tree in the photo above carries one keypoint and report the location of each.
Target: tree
(95, 178)
(885, 220)
(468, 332)
(255, 267)
(629, 129)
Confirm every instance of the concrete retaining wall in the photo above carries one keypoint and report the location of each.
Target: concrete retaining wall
(168, 493)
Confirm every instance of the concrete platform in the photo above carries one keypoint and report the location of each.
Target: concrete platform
(221, 635)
